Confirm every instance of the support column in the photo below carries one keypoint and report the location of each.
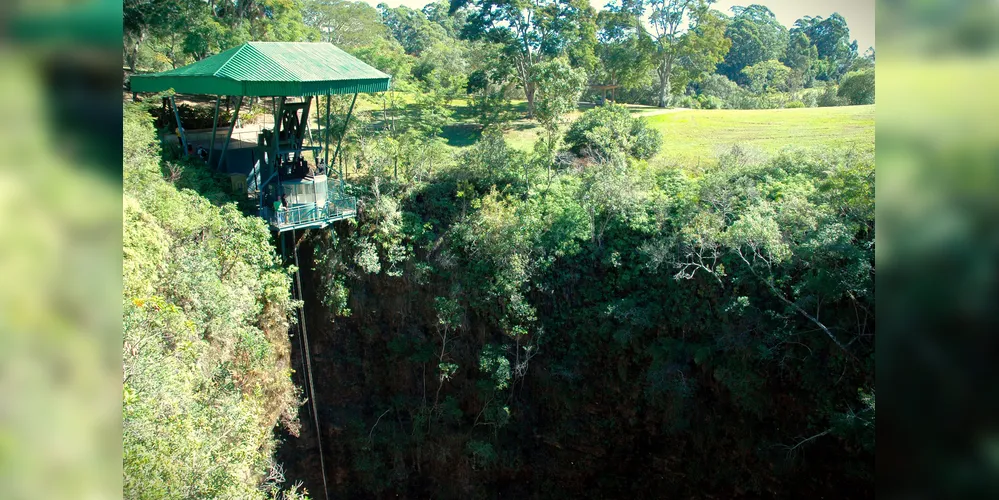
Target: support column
(343, 133)
(228, 138)
(327, 131)
(215, 127)
(180, 126)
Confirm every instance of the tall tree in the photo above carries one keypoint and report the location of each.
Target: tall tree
(533, 31)
(701, 49)
(756, 36)
(412, 28)
(801, 57)
(344, 23)
(559, 88)
(669, 19)
(438, 12)
(688, 37)
(625, 49)
(831, 38)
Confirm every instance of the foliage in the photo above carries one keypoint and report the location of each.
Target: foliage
(412, 29)
(801, 58)
(701, 49)
(756, 36)
(346, 24)
(858, 87)
(532, 32)
(767, 76)
(662, 307)
(441, 74)
(559, 87)
(830, 38)
(205, 354)
(625, 50)
(830, 96)
(609, 131)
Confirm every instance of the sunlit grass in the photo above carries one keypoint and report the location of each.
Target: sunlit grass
(701, 135)
(694, 136)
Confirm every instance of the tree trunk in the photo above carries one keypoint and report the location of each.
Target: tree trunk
(529, 90)
(664, 83)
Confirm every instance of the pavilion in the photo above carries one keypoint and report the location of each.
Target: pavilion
(292, 193)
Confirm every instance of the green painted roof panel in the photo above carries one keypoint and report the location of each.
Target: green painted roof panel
(270, 69)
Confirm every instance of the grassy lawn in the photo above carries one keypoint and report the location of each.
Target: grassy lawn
(699, 136)
(691, 136)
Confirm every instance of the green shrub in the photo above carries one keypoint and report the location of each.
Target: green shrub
(830, 97)
(721, 88)
(611, 130)
(810, 97)
(710, 102)
(205, 351)
(794, 104)
(858, 87)
(646, 142)
(686, 101)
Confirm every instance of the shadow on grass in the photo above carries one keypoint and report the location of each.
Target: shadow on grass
(461, 135)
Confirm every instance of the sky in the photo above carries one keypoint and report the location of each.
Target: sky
(859, 14)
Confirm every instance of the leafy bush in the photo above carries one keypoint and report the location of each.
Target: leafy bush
(721, 88)
(710, 102)
(830, 97)
(858, 87)
(795, 104)
(810, 97)
(611, 130)
(205, 353)
(193, 117)
(686, 101)
(646, 141)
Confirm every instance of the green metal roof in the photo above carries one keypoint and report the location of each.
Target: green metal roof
(270, 69)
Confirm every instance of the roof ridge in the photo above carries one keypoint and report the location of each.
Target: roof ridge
(230, 58)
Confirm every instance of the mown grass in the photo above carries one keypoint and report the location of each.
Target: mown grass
(693, 136)
(700, 136)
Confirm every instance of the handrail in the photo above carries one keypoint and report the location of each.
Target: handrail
(308, 213)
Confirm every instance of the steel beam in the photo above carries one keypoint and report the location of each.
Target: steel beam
(215, 127)
(180, 127)
(344, 132)
(228, 137)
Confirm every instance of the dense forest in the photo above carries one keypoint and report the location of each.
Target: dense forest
(580, 318)
(658, 52)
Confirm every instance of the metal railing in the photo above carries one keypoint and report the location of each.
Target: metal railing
(310, 213)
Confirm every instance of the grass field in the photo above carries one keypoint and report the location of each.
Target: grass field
(699, 136)
(691, 136)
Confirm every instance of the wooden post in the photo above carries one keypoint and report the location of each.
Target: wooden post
(180, 127)
(228, 138)
(215, 127)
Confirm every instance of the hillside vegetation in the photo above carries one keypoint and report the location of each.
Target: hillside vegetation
(205, 352)
(607, 327)
(544, 294)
